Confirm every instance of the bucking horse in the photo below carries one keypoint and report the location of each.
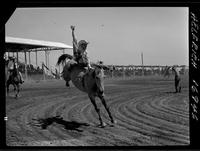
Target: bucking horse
(91, 82)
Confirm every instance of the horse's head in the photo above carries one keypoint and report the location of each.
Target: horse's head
(98, 75)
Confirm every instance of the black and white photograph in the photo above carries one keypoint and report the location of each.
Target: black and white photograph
(97, 76)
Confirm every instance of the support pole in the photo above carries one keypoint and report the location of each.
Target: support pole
(133, 71)
(36, 58)
(29, 54)
(124, 73)
(46, 58)
(17, 57)
(44, 78)
(25, 59)
(142, 64)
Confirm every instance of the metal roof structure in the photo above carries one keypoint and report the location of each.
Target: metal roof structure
(14, 44)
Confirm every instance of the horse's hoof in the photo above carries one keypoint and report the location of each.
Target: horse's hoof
(102, 125)
(114, 122)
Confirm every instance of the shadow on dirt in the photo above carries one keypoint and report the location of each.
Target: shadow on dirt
(68, 125)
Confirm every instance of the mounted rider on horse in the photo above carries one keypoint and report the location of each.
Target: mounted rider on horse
(87, 79)
(13, 70)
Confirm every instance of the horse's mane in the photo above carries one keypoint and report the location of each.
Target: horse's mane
(63, 57)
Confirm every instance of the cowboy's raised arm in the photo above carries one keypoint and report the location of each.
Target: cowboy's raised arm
(73, 35)
(75, 45)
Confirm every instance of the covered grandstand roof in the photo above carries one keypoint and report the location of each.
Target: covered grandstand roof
(14, 44)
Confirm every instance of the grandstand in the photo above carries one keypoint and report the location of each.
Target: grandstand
(14, 46)
(137, 70)
(37, 72)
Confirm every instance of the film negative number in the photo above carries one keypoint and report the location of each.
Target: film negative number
(195, 100)
(194, 117)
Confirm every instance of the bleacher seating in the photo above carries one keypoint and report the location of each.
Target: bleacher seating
(30, 69)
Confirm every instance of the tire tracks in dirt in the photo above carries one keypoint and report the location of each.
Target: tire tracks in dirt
(146, 115)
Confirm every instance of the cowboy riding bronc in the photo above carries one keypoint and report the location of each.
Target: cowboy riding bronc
(79, 54)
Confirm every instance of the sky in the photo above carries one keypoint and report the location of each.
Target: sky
(116, 35)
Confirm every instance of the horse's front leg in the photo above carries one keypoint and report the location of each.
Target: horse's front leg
(92, 98)
(102, 97)
(17, 93)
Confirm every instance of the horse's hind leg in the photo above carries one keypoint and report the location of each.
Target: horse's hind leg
(97, 110)
(67, 78)
(17, 93)
(107, 108)
(179, 90)
(14, 87)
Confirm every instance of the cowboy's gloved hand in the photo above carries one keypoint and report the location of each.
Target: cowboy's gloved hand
(72, 27)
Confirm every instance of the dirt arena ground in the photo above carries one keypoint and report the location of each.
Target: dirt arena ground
(146, 109)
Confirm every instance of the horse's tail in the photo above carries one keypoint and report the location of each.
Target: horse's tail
(63, 57)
